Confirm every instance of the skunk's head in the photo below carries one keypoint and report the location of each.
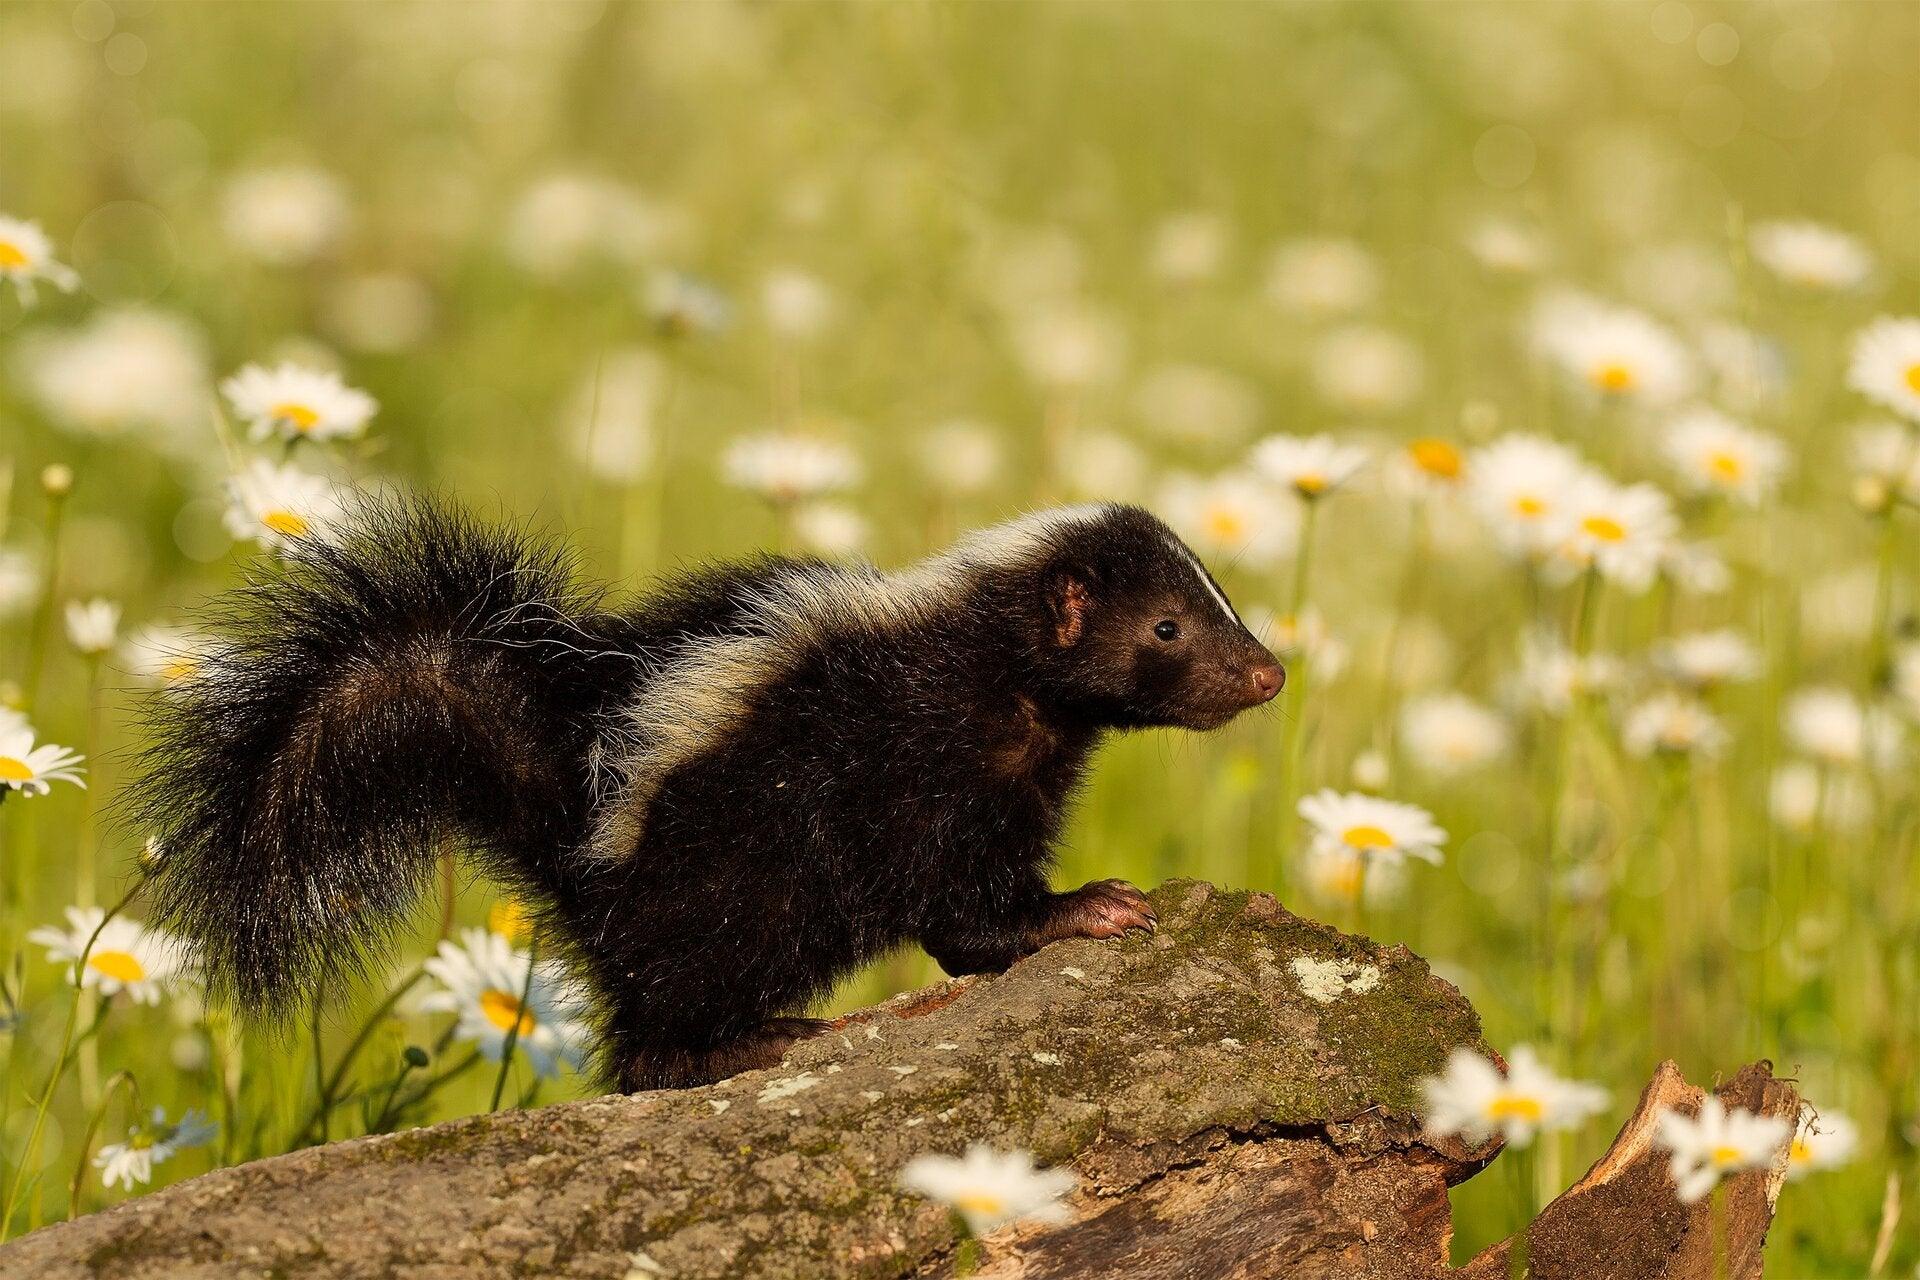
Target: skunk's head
(1135, 632)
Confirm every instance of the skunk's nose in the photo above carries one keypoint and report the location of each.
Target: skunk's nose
(1267, 679)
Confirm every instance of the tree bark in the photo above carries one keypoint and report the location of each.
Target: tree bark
(1237, 1094)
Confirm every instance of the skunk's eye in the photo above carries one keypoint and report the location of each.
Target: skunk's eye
(1167, 629)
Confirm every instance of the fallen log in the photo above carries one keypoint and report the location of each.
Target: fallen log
(1237, 1094)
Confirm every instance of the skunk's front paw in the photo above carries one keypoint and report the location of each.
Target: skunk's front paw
(1103, 909)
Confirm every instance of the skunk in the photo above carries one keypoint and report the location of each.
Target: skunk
(720, 800)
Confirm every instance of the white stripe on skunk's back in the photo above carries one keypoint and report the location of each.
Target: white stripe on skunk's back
(706, 687)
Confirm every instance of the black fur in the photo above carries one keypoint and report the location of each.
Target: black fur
(901, 777)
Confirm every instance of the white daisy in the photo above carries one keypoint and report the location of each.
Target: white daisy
(481, 980)
(123, 370)
(1231, 517)
(1450, 733)
(1552, 676)
(1370, 770)
(296, 403)
(1312, 466)
(284, 214)
(1506, 246)
(19, 582)
(798, 305)
(564, 221)
(1886, 459)
(830, 529)
(960, 456)
(30, 769)
(1829, 724)
(1322, 277)
(1810, 255)
(1886, 364)
(990, 1189)
(1101, 464)
(1384, 830)
(1520, 484)
(1714, 454)
(92, 625)
(1613, 352)
(1365, 369)
(127, 956)
(788, 467)
(1619, 531)
(1671, 723)
(1192, 402)
(1695, 568)
(1472, 1100)
(149, 1143)
(277, 505)
(1822, 1140)
(1069, 346)
(1715, 1143)
(1188, 247)
(26, 255)
(165, 656)
(1704, 659)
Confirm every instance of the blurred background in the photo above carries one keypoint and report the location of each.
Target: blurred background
(682, 281)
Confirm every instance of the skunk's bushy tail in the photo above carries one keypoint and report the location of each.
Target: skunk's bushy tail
(423, 677)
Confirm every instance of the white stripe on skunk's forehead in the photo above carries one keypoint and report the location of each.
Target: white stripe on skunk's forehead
(1206, 579)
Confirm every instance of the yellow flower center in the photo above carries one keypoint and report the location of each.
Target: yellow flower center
(1310, 483)
(1529, 507)
(1913, 378)
(1510, 1106)
(1727, 1157)
(121, 966)
(1605, 528)
(178, 668)
(1436, 457)
(1799, 1152)
(508, 919)
(980, 1203)
(1364, 837)
(12, 256)
(286, 523)
(1613, 377)
(14, 769)
(1226, 525)
(503, 1011)
(1726, 466)
(297, 416)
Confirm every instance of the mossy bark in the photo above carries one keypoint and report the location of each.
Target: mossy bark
(1236, 1092)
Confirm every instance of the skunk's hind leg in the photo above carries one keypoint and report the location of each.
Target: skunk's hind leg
(656, 1061)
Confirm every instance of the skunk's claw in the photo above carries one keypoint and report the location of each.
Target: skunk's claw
(1102, 909)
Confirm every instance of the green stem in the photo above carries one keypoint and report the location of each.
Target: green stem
(93, 1130)
(329, 1098)
(513, 1032)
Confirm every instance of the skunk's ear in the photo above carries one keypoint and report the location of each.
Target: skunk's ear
(1068, 601)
